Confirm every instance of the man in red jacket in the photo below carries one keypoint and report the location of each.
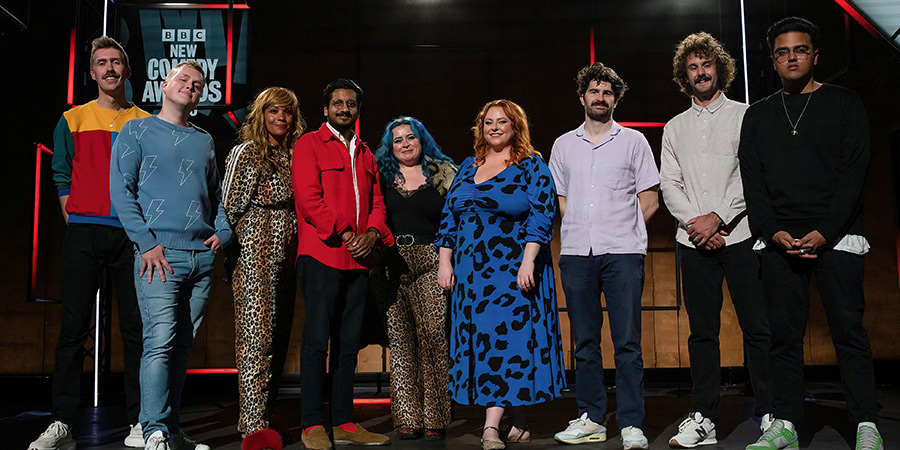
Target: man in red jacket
(340, 217)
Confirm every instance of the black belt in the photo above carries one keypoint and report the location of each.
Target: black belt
(405, 240)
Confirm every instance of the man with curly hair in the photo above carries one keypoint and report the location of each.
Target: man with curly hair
(701, 185)
(607, 181)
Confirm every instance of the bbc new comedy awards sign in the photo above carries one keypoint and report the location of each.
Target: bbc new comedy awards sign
(158, 38)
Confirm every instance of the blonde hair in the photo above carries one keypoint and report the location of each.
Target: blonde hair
(192, 64)
(521, 143)
(254, 128)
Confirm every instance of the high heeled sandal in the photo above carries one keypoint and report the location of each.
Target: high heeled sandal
(488, 444)
(518, 438)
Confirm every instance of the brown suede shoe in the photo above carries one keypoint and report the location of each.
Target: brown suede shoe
(360, 437)
(316, 439)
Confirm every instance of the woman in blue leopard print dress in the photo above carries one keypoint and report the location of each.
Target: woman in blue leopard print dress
(494, 244)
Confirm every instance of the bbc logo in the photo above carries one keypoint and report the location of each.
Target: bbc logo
(173, 35)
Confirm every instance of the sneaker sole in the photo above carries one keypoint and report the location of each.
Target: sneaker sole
(674, 443)
(795, 444)
(596, 437)
(361, 444)
(68, 446)
(134, 442)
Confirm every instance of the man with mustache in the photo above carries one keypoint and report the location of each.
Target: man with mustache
(95, 244)
(340, 217)
(804, 155)
(701, 185)
(606, 180)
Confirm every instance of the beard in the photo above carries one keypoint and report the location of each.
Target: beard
(598, 116)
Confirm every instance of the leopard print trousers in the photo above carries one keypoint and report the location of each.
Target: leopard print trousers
(416, 309)
(259, 204)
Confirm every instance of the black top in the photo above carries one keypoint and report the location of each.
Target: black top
(416, 212)
(812, 180)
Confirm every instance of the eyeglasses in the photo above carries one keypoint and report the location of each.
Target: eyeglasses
(800, 52)
(338, 104)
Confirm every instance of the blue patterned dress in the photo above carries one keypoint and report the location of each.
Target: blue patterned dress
(504, 344)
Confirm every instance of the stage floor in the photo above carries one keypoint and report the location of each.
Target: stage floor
(210, 414)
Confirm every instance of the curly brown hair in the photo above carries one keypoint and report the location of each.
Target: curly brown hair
(703, 45)
(599, 73)
(521, 144)
(254, 129)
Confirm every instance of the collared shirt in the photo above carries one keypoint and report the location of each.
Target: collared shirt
(351, 147)
(600, 183)
(699, 168)
(321, 174)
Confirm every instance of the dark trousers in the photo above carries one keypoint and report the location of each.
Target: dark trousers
(620, 278)
(839, 277)
(702, 274)
(335, 305)
(87, 251)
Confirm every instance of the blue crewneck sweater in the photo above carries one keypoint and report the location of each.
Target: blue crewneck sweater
(164, 183)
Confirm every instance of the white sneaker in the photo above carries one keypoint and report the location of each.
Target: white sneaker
(633, 438)
(693, 431)
(765, 422)
(157, 441)
(135, 438)
(868, 437)
(57, 436)
(582, 430)
(181, 441)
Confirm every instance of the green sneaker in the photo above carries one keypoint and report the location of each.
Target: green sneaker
(868, 437)
(780, 434)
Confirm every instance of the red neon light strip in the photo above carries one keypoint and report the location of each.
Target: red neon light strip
(592, 46)
(70, 98)
(371, 401)
(642, 124)
(209, 371)
(625, 124)
(229, 46)
(216, 6)
(37, 210)
(234, 118)
(859, 18)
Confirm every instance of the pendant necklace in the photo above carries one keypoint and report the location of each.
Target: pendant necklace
(794, 124)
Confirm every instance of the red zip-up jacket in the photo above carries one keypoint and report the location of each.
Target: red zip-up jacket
(325, 198)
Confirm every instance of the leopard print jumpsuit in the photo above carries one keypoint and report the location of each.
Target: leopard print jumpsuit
(259, 203)
(406, 289)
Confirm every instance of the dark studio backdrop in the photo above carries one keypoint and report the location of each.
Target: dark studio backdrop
(440, 60)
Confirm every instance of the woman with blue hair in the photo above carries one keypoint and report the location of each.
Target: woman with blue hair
(416, 176)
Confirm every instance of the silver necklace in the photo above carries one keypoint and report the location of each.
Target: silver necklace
(794, 124)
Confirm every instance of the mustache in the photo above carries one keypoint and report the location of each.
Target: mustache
(702, 78)
(600, 103)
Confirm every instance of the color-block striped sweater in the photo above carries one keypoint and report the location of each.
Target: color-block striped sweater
(82, 143)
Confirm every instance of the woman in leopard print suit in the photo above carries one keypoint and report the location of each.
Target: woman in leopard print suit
(259, 203)
(415, 179)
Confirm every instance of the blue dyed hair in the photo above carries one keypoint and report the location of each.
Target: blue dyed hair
(384, 155)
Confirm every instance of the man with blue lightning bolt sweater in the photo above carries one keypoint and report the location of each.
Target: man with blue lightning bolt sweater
(165, 185)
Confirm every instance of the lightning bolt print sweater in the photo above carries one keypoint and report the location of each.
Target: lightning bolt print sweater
(164, 183)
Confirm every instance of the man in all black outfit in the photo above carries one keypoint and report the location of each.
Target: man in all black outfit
(804, 154)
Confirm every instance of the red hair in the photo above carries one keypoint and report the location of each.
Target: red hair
(521, 143)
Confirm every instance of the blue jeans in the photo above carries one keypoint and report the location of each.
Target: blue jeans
(621, 279)
(172, 312)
